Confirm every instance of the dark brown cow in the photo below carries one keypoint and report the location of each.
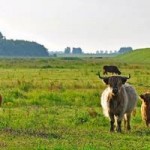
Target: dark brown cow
(111, 69)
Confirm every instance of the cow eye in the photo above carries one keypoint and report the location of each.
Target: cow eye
(111, 85)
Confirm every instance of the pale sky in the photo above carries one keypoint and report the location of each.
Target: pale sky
(89, 24)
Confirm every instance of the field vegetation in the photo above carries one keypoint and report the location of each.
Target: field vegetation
(54, 103)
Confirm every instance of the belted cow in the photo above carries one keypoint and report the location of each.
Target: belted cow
(118, 101)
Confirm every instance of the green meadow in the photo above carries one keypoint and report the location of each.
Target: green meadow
(54, 103)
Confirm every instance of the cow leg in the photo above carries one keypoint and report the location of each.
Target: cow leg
(112, 121)
(128, 121)
(111, 126)
(127, 118)
(125, 122)
(118, 125)
(147, 123)
(119, 120)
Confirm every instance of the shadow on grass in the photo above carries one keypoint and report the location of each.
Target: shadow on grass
(143, 132)
(33, 133)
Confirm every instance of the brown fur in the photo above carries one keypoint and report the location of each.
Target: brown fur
(145, 107)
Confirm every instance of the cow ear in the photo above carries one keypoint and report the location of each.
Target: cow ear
(106, 80)
(141, 96)
(123, 80)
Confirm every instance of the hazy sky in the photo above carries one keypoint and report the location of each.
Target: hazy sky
(89, 24)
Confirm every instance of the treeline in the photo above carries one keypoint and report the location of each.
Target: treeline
(73, 51)
(122, 50)
(21, 48)
(78, 50)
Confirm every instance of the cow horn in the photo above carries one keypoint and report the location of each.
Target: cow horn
(127, 77)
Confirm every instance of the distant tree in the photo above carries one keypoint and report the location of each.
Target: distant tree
(125, 49)
(55, 55)
(21, 48)
(110, 52)
(101, 51)
(106, 52)
(67, 50)
(115, 51)
(1, 36)
(97, 52)
(77, 51)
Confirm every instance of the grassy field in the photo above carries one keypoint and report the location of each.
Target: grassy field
(137, 56)
(55, 104)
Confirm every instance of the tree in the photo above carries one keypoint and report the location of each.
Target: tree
(110, 52)
(21, 48)
(97, 52)
(1, 36)
(115, 51)
(77, 50)
(106, 52)
(125, 49)
(67, 50)
(101, 51)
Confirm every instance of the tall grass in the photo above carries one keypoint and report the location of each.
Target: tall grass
(55, 104)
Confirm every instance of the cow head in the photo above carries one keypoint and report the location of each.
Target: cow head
(114, 82)
(145, 97)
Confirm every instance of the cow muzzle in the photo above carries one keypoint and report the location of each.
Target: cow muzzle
(115, 91)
